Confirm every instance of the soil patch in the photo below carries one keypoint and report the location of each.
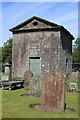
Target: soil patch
(70, 110)
(39, 107)
(25, 94)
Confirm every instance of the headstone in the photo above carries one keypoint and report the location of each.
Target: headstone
(35, 86)
(7, 69)
(27, 76)
(4, 77)
(53, 91)
(6, 74)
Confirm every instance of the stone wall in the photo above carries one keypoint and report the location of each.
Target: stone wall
(35, 44)
(66, 53)
(31, 25)
(54, 47)
(74, 75)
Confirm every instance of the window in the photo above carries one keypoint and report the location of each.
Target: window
(67, 65)
(35, 23)
(66, 61)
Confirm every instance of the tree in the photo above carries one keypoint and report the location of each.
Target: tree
(76, 55)
(7, 51)
(0, 59)
(0, 55)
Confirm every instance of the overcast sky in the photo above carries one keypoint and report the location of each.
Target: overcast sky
(62, 13)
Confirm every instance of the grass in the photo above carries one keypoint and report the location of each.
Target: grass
(16, 106)
(0, 104)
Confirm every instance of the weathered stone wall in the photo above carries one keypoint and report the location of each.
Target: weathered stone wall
(35, 44)
(39, 38)
(74, 75)
(39, 25)
(66, 53)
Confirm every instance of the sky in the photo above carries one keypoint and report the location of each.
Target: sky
(14, 13)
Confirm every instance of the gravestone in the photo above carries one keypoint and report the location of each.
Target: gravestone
(27, 76)
(6, 74)
(35, 86)
(53, 91)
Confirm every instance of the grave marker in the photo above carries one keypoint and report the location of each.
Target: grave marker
(53, 91)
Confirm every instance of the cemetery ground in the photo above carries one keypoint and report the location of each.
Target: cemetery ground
(16, 106)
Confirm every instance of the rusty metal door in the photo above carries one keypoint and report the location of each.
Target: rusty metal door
(35, 66)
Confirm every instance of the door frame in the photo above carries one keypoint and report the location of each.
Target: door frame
(35, 58)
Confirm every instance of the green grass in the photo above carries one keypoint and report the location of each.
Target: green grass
(0, 104)
(16, 106)
(71, 81)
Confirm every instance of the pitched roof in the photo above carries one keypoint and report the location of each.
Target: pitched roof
(53, 25)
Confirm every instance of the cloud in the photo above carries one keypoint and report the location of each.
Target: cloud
(19, 10)
(68, 17)
(58, 12)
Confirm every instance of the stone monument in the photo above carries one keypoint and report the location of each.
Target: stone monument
(53, 92)
(6, 74)
(27, 76)
(35, 86)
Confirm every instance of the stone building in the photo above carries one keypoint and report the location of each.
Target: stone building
(41, 46)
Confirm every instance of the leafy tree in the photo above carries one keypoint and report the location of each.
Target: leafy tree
(0, 59)
(7, 51)
(0, 55)
(76, 55)
(0, 51)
